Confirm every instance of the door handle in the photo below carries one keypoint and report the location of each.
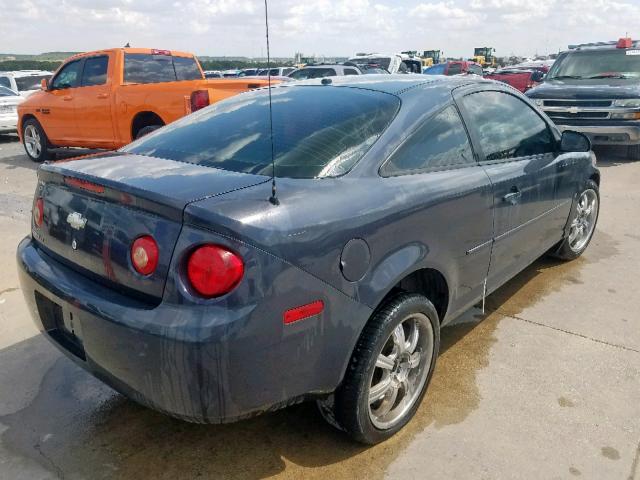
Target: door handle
(103, 95)
(513, 196)
(67, 98)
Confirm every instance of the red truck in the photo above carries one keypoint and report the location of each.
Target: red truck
(519, 79)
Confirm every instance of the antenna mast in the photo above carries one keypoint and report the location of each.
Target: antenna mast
(273, 198)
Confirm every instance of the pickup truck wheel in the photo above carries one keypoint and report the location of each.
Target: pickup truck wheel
(389, 370)
(582, 223)
(35, 141)
(633, 152)
(147, 130)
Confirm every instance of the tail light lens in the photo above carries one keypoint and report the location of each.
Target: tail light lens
(144, 255)
(38, 212)
(199, 100)
(214, 271)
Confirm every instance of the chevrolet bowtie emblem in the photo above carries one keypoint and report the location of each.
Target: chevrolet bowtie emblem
(76, 220)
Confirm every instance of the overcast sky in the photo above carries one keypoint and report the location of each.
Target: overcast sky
(340, 27)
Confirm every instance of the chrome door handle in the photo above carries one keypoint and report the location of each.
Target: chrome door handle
(513, 196)
(67, 98)
(103, 95)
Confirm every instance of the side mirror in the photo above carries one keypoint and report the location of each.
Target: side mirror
(574, 142)
(537, 76)
(44, 84)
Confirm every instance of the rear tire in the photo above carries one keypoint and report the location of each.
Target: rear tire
(582, 223)
(147, 130)
(389, 370)
(35, 141)
(633, 152)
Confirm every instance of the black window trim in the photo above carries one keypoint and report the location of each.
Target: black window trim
(441, 168)
(84, 63)
(473, 133)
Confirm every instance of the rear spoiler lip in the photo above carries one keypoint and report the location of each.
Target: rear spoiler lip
(121, 193)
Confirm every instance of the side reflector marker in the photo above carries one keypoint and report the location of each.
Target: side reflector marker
(303, 311)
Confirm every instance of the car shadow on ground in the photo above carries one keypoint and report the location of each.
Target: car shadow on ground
(60, 418)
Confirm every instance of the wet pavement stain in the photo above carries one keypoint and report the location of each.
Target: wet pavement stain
(611, 453)
(77, 426)
(574, 471)
(565, 402)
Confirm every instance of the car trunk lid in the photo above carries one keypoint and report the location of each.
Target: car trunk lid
(95, 207)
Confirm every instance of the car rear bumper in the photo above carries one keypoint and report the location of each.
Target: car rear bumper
(192, 362)
(607, 134)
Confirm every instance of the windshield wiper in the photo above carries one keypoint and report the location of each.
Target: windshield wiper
(561, 77)
(610, 75)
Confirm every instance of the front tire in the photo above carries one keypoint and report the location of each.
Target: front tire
(35, 141)
(582, 223)
(389, 370)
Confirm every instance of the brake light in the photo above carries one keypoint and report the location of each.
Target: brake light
(38, 212)
(199, 100)
(624, 43)
(84, 184)
(213, 270)
(144, 255)
(155, 51)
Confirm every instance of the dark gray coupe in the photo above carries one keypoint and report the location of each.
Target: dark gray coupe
(171, 271)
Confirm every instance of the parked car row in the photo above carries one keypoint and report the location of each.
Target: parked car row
(25, 82)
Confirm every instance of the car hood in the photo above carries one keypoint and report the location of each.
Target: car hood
(586, 89)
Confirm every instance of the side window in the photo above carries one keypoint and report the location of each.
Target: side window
(454, 69)
(69, 76)
(145, 68)
(350, 71)
(477, 69)
(438, 143)
(95, 71)
(186, 68)
(507, 127)
(4, 82)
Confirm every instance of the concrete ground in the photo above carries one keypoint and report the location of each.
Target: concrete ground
(546, 385)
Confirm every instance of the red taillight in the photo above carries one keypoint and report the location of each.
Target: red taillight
(38, 212)
(155, 51)
(213, 270)
(302, 312)
(199, 99)
(144, 255)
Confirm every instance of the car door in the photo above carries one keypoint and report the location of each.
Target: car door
(518, 151)
(450, 195)
(93, 102)
(58, 108)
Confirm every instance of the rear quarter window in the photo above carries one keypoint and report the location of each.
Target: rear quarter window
(147, 68)
(186, 68)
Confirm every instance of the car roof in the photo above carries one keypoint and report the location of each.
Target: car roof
(395, 84)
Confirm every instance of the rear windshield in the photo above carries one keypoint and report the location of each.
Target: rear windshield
(318, 131)
(32, 82)
(614, 63)
(147, 68)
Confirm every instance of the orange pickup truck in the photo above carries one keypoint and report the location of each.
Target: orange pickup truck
(107, 98)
